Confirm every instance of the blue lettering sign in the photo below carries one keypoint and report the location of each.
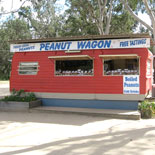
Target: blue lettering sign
(107, 44)
(94, 44)
(126, 91)
(63, 46)
(57, 46)
(131, 79)
(134, 91)
(25, 45)
(52, 46)
(26, 48)
(69, 44)
(124, 44)
(81, 44)
(131, 84)
(137, 42)
(87, 45)
(17, 46)
(47, 46)
(42, 45)
(100, 44)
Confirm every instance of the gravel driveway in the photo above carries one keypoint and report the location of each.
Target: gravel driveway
(68, 134)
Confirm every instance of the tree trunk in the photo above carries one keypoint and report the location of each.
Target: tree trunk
(109, 19)
(135, 16)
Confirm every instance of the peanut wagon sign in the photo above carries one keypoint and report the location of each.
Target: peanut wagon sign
(81, 45)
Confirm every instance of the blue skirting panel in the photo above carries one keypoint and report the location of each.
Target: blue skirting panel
(97, 104)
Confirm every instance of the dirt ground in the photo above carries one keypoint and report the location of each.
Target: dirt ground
(70, 134)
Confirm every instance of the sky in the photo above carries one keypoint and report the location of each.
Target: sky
(11, 5)
(15, 4)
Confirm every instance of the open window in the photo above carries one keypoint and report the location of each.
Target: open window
(80, 65)
(120, 64)
(74, 67)
(28, 68)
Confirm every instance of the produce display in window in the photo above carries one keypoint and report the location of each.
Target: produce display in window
(74, 67)
(121, 67)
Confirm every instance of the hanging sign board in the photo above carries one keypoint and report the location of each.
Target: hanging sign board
(82, 45)
(131, 84)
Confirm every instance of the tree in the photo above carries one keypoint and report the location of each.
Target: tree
(77, 23)
(147, 6)
(13, 29)
(122, 22)
(42, 18)
(98, 12)
(96, 17)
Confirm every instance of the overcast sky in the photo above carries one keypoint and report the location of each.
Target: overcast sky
(11, 5)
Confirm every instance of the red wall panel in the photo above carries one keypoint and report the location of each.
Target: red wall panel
(46, 81)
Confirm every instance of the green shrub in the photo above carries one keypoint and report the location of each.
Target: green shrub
(147, 109)
(20, 96)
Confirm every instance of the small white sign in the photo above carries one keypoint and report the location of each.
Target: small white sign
(131, 84)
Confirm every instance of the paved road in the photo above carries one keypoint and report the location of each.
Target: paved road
(70, 134)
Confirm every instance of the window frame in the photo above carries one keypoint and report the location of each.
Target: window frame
(28, 66)
(122, 74)
(72, 75)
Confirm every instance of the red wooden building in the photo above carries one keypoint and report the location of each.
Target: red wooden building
(111, 72)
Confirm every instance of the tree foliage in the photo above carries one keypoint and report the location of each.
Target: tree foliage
(147, 6)
(12, 29)
(42, 18)
(86, 17)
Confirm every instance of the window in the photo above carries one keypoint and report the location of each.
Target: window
(28, 68)
(123, 66)
(74, 67)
